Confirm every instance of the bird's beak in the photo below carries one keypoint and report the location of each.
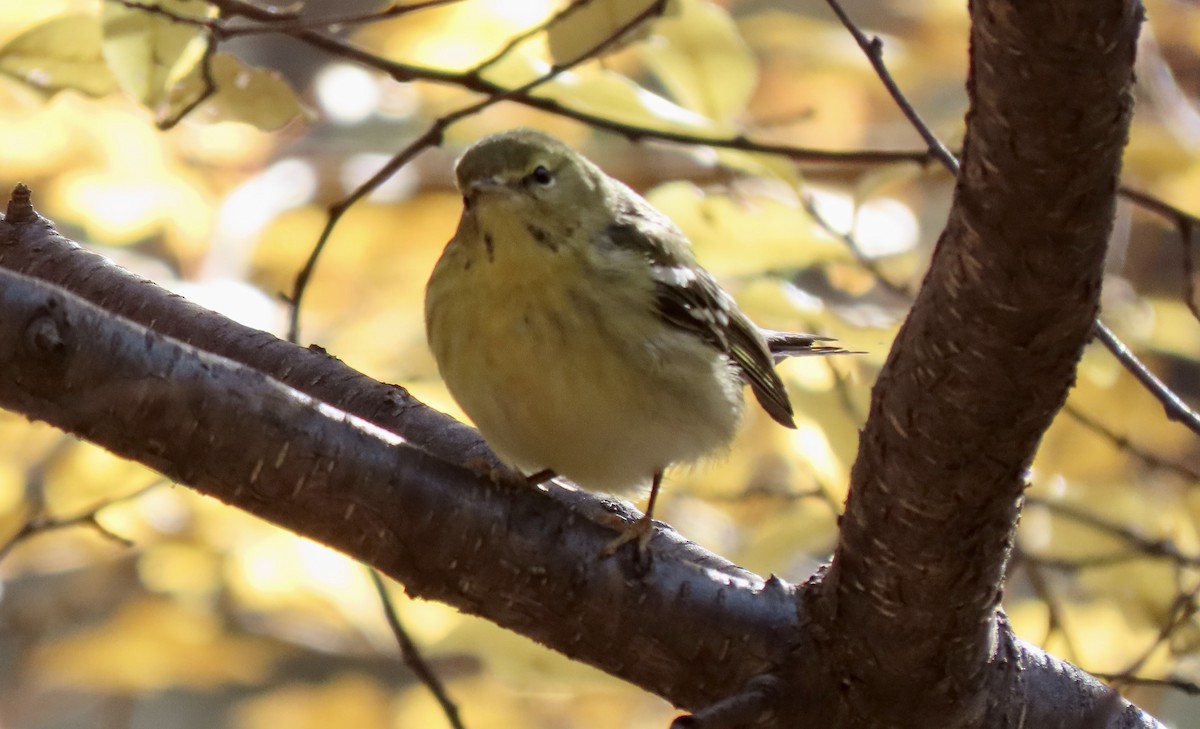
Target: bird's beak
(486, 186)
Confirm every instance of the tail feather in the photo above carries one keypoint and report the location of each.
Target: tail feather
(796, 344)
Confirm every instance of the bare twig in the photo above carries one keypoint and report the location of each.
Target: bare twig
(1054, 615)
(1182, 611)
(1190, 688)
(432, 136)
(1122, 442)
(1174, 406)
(411, 655)
(526, 34)
(873, 48)
(471, 80)
(1185, 224)
(42, 523)
(1145, 546)
(285, 21)
(209, 86)
(745, 708)
(870, 266)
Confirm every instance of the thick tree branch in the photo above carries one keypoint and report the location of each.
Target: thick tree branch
(29, 245)
(902, 630)
(695, 630)
(525, 558)
(984, 360)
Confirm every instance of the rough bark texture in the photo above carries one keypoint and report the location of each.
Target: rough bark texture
(50, 257)
(523, 557)
(903, 628)
(983, 362)
(694, 629)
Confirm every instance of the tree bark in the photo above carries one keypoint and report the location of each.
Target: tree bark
(903, 629)
(983, 362)
(694, 630)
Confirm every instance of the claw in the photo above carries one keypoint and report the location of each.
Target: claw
(640, 532)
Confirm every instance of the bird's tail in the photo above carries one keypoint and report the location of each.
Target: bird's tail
(795, 344)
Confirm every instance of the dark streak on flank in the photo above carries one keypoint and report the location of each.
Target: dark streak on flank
(490, 244)
(542, 238)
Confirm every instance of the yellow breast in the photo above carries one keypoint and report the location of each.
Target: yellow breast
(560, 368)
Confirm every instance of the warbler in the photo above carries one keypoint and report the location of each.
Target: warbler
(572, 324)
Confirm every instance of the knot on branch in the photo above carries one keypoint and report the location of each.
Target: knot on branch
(43, 336)
(20, 205)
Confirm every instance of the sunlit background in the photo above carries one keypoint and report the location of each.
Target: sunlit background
(202, 616)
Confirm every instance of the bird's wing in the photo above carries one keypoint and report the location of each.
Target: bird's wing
(688, 298)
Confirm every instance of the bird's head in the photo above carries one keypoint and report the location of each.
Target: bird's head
(528, 173)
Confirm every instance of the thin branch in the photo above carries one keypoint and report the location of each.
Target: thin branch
(473, 81)
(873, 48)
(40, 524)
(1182, 611)
(841, 387)
(745, 708)
(1144, 545)
(285, 21)
(1174, 406)
(1185, 225)
(1190, 688)
(526, 34)
(1122, 442)
(209, 86)
(411, 655)
(1055, 625)
(432, 136)
(870, 266)
(1077, 564)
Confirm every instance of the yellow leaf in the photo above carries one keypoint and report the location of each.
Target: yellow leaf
(346, 701)
(1099, 632)
(149, 52)
(760, 164)
(1173, 329)
(578, 32)
(603, 93)
(746, 235)
(181, 568)
(515, 69)
(887, 177)
(703, 61)
(153, 644)
(83, 476)
(63, 53)
(257, 96)
(615, 97)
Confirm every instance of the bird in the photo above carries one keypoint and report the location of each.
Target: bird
(571, 322)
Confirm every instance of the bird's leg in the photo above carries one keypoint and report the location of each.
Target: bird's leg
(641, 530)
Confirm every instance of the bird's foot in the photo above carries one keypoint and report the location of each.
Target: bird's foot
(639, 532)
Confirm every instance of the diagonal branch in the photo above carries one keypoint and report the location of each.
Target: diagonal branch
(695, 630)
(1174, 406)
(985, 358)
(525, 558)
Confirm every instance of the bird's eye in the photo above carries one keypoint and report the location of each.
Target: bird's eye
(541, 175)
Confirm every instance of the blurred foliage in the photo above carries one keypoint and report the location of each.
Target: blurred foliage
(210, 618)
